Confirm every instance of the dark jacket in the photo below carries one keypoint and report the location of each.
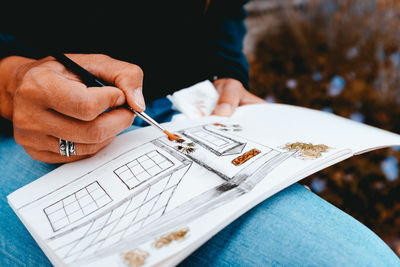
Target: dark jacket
(176, 43)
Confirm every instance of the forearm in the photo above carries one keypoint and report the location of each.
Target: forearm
(10, 74)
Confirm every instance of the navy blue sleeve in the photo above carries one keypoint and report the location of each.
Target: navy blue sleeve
(7, 45)
(225, 32)
(10, 46)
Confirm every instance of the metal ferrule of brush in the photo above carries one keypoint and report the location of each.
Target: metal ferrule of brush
(148, 119)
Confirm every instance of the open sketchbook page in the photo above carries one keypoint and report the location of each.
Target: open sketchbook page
(144, 199)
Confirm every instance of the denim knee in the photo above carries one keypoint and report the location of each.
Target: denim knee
(294, 228)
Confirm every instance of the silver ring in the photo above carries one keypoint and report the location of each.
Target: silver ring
(67, 148)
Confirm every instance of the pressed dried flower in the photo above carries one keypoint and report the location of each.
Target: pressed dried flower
(173, 236)
(186, 148)
(307, 150)
(135, 257)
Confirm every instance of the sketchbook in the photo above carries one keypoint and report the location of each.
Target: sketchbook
(147, 201)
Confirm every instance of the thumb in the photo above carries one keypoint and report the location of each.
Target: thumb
(126, 76)
(227, 103)
(249, 98)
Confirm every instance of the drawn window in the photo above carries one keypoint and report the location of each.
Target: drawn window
(142, 168)
(123, 220)
(210, 138)
(77, 205)
(217, 143)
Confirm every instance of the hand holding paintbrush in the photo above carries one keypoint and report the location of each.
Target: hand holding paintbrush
(56, 117)
(91, 80)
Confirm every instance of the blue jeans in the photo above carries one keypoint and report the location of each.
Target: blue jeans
(293, 228)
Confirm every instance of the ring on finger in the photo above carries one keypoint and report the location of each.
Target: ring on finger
(67, 148)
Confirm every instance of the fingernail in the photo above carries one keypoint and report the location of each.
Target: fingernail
(120, 100)
(138, 98)
(223, 109)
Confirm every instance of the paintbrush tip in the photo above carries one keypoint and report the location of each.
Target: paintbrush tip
(171, 136)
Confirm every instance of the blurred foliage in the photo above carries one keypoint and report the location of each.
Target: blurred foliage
(342, 56)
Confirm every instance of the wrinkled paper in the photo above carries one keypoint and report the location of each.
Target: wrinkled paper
(196, 101)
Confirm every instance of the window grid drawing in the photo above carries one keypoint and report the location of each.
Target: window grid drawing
(217, 143)
(149, 198)
(136, 212)
(143, 168)
(211, 138)
(76, 206)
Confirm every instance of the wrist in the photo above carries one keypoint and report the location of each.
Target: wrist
(12, 69)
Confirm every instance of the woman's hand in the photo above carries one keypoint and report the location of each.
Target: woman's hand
(46, 102)
(231, 95)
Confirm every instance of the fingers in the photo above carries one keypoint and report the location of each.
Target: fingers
(41, 139)
(46, 148)
(88, 103)
(231, 95)
(99, 130)
(48, 122)
(249, 98)
(51, 103)
(74, 99)
(50, 157)
(227, 103)
(127, 77)
(46, 143)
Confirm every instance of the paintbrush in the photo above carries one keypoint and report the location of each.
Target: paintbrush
(89, 79)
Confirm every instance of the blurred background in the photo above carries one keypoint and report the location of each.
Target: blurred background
(342, 57)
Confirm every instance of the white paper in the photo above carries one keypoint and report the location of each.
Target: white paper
(143, 186)
(196, 101)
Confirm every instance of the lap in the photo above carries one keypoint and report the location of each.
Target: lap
(17, 169)
(294, 227)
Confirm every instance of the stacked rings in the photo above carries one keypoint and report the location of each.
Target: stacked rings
(67, 148)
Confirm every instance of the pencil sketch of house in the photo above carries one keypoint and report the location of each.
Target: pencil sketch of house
(151, 176)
